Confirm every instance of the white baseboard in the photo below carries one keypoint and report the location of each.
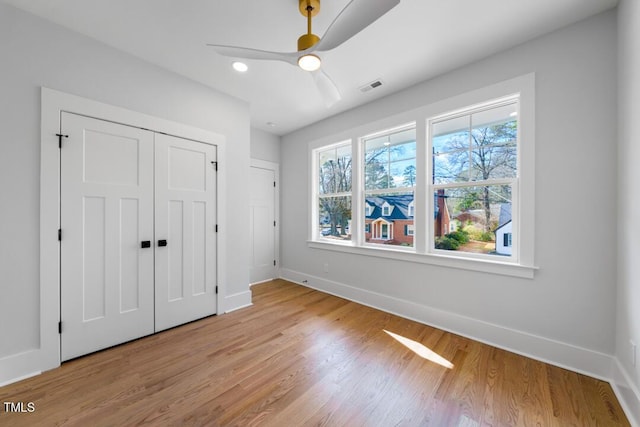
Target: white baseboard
(585, 361)
(237, 301)
(18, 367)
(627, 392)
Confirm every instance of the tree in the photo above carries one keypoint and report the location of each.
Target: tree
(376, 175)
(335, 178)
(409, 176)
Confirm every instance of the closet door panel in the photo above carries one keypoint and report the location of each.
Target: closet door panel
(106, 211)
(185, 219)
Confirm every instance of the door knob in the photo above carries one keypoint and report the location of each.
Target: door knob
(145, 244)
(162, 243)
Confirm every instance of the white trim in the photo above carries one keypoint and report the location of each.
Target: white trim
(578, 359)
(237, 301)
(402, 253)
(24, 377)
(275, 167)
(47, 356)
(626, 391)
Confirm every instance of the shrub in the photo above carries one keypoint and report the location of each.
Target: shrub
(446, 243)
(486, 236)
(459, 235)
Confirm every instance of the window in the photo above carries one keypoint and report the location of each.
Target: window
(389, 167)
(408, 230)
(474, 161)
(334, 192)
(454, 188)
(368, 209)
(507, 239)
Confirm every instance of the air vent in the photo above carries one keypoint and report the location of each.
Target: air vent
(374, 84)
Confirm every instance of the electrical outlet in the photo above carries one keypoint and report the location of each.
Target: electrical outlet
(633, 352)
(326, 267)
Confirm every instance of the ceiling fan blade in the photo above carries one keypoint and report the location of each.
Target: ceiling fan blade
(355, 17)
(326, 87)
(248, 53)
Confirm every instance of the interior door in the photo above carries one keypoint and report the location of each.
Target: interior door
(262, 224)
(185, 220)
(106, 212)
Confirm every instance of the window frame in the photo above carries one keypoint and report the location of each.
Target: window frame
(512, 181)
(523, 266)
(316, 233)
(360, 143)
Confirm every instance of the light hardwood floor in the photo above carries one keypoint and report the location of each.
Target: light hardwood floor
(302, 357)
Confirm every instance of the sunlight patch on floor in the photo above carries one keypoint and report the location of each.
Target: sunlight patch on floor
(421, 350)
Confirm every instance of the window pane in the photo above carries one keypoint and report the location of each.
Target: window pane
(494, 116)
(334, 215)
(390, 160)
(389, 221)
(473, 219)
(451, 167)
(451, 134)
(334, 170)
(493, 162)
(493, 143)
(478, 146)
(403, 151)
(403, 173)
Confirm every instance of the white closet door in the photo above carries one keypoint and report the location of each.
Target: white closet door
(185, 222)
(106, 212)
(262, 224)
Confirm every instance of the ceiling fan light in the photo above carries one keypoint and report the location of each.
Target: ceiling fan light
(309, 62)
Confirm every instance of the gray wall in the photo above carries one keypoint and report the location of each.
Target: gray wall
(628, 308)
(36, 53)
(571, 300)
(265, 146)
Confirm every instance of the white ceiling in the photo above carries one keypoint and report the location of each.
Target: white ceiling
(415, 41)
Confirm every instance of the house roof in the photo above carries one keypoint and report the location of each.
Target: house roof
(505, 214)
(399, 202)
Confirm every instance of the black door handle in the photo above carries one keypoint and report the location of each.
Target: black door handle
(162, 243)
(145, 244)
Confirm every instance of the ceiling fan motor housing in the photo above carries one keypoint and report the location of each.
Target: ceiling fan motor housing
(306, 41)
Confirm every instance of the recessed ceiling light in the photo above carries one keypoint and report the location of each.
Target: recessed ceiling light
(240, 67)
(515, 113)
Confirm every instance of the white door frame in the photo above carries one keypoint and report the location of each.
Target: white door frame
(47, 356)
(275, 167)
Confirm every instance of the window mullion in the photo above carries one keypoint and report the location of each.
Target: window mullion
(357, 192)
(421, 227)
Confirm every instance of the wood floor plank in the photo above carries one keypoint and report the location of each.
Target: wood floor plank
(302, 357)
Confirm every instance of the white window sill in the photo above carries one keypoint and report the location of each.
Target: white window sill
(481, 265)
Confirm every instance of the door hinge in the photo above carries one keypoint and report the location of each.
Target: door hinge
(60, 136)
(215, 165)
(216, 228)
(216, 289)
(274, 262)
(274, 223)
(59, 234)
(59, 327)
(274, 183)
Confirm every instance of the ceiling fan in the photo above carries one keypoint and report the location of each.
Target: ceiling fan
(356, 16)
